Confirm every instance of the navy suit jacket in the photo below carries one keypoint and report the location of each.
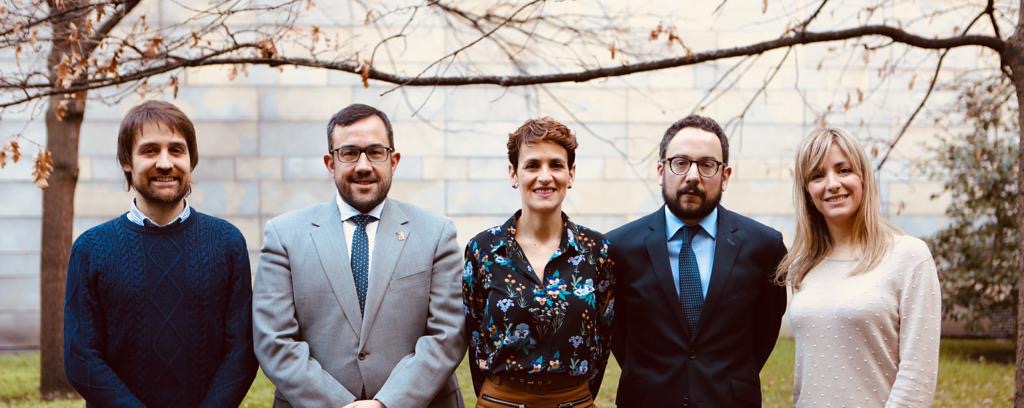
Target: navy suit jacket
(662, 365)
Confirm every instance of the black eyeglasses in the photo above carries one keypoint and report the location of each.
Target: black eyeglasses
(350, 154)
(705, 167)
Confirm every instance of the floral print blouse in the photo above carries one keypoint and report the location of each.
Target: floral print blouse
(517, 323)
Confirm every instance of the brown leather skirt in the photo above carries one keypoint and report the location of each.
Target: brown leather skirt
(499, 393)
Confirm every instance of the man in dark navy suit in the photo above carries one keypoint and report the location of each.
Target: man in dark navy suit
(697, 311)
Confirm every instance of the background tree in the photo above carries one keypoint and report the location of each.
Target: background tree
(541, 42)
(977, 252)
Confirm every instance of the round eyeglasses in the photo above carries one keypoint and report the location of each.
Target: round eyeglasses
(705, 167)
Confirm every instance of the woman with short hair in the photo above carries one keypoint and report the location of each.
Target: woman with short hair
(538, 289)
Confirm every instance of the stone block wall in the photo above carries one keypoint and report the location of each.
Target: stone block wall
(262, 137)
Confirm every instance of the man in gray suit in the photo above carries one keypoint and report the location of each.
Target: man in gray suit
(357, 300)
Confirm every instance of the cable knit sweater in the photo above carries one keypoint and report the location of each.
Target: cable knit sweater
(160, 317)
(872, 339)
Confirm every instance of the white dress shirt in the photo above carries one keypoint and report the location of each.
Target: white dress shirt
(349, 227)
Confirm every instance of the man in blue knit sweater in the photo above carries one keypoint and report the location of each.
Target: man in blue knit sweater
(157, 306)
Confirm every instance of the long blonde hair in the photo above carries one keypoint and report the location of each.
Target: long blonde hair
(872, 234)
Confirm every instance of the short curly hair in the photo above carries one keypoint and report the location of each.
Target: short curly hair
(538, 130)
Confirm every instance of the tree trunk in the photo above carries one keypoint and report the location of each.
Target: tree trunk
(58, 220)
(64, 116)
(1018, 395)
(1013, 56)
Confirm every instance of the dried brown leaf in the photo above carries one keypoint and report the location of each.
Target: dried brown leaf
(315, 33)
(267, 48)
(913, 80)
(846, 104)
(72, 33)
(63, 72)
(174, 86)
(611, 49)
(656, 32)
(153, 49)
(860, 96)
(15, 150)
(43, 167)
(100, 10)
(3, 159)
(195, 39)
(672, 37)
(365, 74)
(368, 18)
(61, 109)
(764, 6)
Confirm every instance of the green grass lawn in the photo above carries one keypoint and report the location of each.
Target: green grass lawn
(971, 373)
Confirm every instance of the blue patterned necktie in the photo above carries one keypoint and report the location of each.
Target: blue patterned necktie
(691, 296)
(361, 256)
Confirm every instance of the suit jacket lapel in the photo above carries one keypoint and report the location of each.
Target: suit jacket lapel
(727, 246)
(657, 249)
(392, 234)
(329, 241)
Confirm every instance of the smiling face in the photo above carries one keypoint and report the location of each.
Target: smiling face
(543, 176)
(160, 168)
(836, 189)
(362, 184)
(691, 196)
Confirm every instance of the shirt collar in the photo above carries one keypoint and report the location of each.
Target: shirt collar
(347, 211)
(672, 223)
(569, 240)
(136, 216)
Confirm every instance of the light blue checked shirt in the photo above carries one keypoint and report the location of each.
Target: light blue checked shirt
(136, 216)
(703, 246)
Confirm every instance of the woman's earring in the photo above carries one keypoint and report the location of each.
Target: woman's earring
(515, 185)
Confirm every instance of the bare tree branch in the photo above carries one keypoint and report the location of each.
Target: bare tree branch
(803, 26)
(805, 38)
(906, 125)
(104, 29)
(931, 87)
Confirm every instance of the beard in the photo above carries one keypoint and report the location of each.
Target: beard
(364, 202)
(161, 198)
(707, 204)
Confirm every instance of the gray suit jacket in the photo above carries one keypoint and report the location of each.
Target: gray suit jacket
(309, 335)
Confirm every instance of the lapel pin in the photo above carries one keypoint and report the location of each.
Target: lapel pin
(401, 235)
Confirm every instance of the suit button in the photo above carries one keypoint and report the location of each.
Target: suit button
(362, 356)
(693, 355)
(686, 401)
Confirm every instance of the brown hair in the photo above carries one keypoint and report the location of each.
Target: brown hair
(538, 130)
(354, 113)
(695, 121)
(154, 112)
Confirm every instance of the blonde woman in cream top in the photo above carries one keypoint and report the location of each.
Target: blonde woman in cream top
(866, 306)
(870, 339)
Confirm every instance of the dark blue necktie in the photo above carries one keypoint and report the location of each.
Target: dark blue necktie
(361, 256)
(691, 296)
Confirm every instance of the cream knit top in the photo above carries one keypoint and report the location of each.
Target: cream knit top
(869, 340)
